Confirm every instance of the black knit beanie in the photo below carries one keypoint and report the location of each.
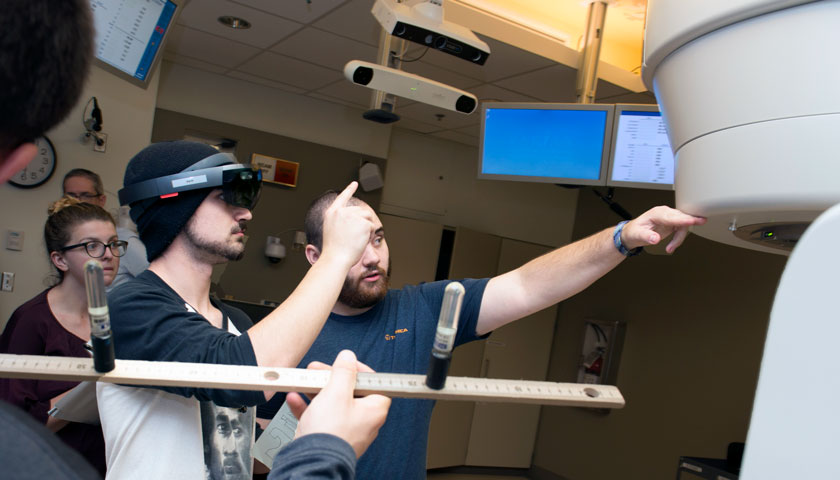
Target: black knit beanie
(159, 221)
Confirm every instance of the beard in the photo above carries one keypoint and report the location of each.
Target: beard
(214, 249)
(356, 293)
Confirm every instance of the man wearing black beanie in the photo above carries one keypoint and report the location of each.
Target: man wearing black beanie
(191, 205)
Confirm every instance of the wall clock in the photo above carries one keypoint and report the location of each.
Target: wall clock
(40, 169)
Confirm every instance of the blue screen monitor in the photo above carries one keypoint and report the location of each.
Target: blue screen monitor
(563, 143)
(130, 36)
(640, 154)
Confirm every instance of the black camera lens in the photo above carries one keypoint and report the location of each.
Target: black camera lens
(465, 104)
(363, 75)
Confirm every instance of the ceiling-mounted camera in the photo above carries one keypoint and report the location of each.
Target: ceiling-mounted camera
(408, 85)
(423, 23)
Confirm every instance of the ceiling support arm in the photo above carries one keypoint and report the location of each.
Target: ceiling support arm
(587, 75)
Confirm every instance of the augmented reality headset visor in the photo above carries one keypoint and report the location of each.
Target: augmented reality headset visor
(240, 183)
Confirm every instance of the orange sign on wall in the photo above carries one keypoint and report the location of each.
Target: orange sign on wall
(277, 170)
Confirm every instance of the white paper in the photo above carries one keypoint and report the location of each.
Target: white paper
(78, 405)
(280, 431)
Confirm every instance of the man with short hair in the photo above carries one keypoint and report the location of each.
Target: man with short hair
(393, 330)
(85, 186)
(192, 205)
(45, 50)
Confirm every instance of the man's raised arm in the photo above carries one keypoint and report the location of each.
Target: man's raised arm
(559, 274)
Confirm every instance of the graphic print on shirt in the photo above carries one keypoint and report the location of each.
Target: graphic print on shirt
(398, 331)
(227, 436)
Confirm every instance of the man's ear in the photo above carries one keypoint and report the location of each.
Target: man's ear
(100, 200)
(312, 253)
(58, 260)
(15, 160)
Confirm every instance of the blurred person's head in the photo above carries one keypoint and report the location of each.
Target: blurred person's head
(45, 51)
(85, 186)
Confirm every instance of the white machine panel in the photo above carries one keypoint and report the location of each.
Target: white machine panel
(748, 91)
(794, 427)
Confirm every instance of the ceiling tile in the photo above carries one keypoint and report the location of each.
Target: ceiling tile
(339, 101)
(416, 126)
(552, 84)
(491, 93)
(264, 81)
(606, 92)
(507, 61)
(472, 130)
(457, 137)
(289, 70)
(191, 62)
(347, 91)
(352, 20)
(429, 114)
(324, 48)
(266, 30)
(209, 48)
(300, 10)
(504, 61)
(629, 97)
(447, 77)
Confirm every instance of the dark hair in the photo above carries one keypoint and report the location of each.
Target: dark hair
(45, 51)
(85, 173)
(64, 215)
(313, 222)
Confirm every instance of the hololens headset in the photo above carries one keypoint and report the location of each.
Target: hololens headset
(240, 183)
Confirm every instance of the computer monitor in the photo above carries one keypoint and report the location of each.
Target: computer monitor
(563, 143)
(130, 35)
(640, 153)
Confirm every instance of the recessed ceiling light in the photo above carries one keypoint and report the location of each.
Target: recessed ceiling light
(234, 22)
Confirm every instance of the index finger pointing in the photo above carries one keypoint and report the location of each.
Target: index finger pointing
(344, 196)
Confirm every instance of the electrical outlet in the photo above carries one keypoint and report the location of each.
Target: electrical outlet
(100, 141)
(8, 281)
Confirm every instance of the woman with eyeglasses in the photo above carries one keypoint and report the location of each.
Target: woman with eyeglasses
(56, 321)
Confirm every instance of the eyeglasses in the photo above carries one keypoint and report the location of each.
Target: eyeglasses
(95, 248)
(84, 196)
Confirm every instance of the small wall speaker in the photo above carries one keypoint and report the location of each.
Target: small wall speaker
(370, 178)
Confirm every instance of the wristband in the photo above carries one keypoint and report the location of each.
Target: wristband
(620, 246)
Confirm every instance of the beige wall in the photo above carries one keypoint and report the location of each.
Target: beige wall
(127, 113)
(696, 323)
(436, 180)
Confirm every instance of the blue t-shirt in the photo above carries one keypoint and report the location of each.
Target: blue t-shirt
(396, 336)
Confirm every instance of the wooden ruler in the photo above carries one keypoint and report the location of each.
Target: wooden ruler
(136, 372)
